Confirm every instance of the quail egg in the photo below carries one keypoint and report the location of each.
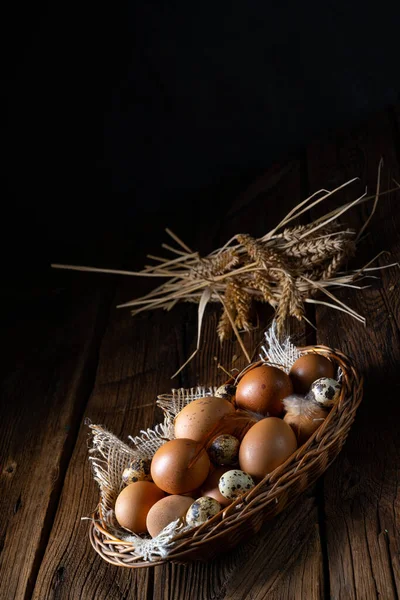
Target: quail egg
(325, 391)
(137, 470)
(224, 450)
(201, 510)
(226, 391)
(234, 483)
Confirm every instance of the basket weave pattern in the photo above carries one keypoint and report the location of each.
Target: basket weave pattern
(246, 515)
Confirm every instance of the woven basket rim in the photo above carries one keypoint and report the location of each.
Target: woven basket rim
(307, 463)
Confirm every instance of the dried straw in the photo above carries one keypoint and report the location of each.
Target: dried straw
(286, 268)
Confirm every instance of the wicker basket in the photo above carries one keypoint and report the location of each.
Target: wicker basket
(274, 493)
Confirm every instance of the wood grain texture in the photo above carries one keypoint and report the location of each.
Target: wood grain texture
(260, 568)
(273, 564)
(47, 376)
(340, 541)
(362, 502)
(136, 361)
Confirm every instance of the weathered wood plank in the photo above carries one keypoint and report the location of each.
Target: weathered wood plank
(274, 562)
(47, 376)
(224, 578)
(263, 567)
(361, 488)
(137, 359)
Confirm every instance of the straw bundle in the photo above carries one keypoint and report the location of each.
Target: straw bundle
(285, 268)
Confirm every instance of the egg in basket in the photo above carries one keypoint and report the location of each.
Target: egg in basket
(224, 460)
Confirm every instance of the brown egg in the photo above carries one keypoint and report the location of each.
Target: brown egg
(165, 511)
(266, 446)
(133, 504)
(262, 390)
(210, 486)
(198, 419)
(307, 369)
(180, 466)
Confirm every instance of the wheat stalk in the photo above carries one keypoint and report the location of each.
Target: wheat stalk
(286, 268)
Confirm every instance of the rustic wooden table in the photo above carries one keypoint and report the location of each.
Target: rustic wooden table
(71, 355)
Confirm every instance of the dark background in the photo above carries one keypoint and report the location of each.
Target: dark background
(123, 119)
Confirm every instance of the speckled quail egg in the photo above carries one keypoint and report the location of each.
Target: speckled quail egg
(201, 510)
(325, 391)
(226, 391)
(234, 483)
(137, 470)
(224, 450)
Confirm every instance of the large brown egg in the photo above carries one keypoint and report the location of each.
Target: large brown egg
(210, 486)
(262, 390)
(307, 369)
(133, 504)
(266, 446)
(199, 418)
(165, 511)
(180, 466)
